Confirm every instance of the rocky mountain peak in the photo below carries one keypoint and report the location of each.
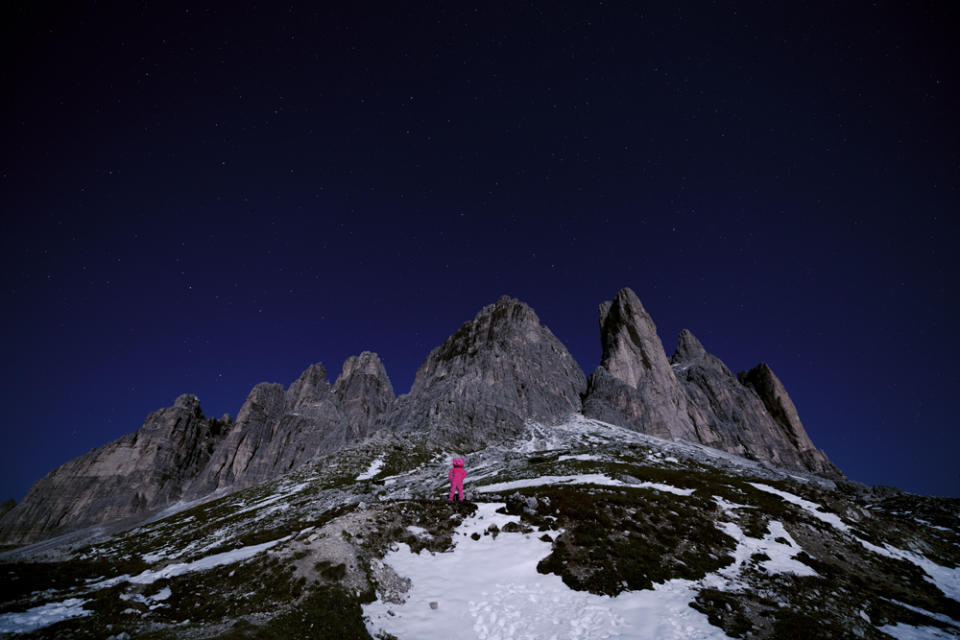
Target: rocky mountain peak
(497, 371)
(367, 363)
(768, 386)
(143, 470)
(631, 348)
(363, 393)
(634, 385)
(187, 401)
(688, 349)
(310, 388)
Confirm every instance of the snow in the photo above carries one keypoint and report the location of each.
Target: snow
(171, 570)
(372, 470)
(936, 616)
(42, 616)
(907, 632)
(811, 507)
(154, 601)
(490, 589)
(946, 579)
(727, 506)
(581, 456)
(781, 555)
(587, 478)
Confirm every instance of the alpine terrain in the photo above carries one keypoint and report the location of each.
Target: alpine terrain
(662, 497)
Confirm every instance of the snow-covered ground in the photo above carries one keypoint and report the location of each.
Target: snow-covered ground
(373, 469)
(945, 578)
(209, 562)
(584, 478)
(42, 616)
(490, 589)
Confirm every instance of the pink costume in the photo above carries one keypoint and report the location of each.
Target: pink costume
(456, 475)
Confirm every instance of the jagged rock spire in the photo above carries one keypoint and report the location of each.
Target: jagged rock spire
(497, 371)
(634, 385)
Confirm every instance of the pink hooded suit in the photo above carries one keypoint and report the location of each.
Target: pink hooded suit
(456, 475)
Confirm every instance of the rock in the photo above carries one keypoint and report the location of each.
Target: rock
(141, 471)
(634, 386)
(434, 605)
(278, 430)
(251, 433)
(732, 416)
(774, 396)
(486, 380)
(363, 392)
(693, 396)
(7, 505)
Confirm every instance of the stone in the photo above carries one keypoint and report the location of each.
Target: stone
(486, 380)
(634, 386)
(750, 415)
(277, 431)
(774, 396)
(141, 471)
(6, 506)
(363, 392)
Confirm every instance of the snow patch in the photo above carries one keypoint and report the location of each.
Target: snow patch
(373, 469)
(42, 616)
(588, 478)
(171, 570)
(580, 456)
(902, 631)
(945, 579)
(490, 588)
(811, 507)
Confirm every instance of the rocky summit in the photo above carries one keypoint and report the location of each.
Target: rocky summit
(485, 381)
(140, 472)
(498, 372)
(693, 396)
(663, 498)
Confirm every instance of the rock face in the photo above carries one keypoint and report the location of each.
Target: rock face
(278, 430)
(771, 391)
(497, 371)
(7, 505)
(693, 396)
(750, 414)
(634, 386)
(143, 470)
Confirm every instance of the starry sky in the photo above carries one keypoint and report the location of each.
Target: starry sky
(200, 199)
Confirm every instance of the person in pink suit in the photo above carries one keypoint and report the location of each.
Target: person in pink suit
(456, 475)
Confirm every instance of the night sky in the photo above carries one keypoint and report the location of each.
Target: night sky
(199, 200)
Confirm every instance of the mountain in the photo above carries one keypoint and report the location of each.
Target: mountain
(484, 382)
(130, 476)
(578, 529)
(278, 430)
(693, 396)
(482, 385)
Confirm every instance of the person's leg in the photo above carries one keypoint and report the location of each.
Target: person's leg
(452, 489)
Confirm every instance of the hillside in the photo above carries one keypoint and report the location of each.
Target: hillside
(580, 530)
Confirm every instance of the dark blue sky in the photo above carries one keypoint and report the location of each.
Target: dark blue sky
(199, 200)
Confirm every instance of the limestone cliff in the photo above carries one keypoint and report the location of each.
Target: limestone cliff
(634, 386)
(141, 471)
(497, 371)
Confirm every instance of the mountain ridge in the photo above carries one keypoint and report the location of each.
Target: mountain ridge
(497, 372)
